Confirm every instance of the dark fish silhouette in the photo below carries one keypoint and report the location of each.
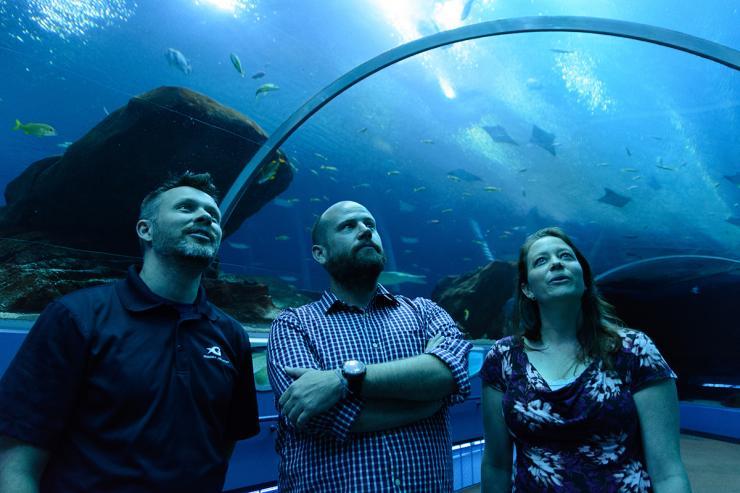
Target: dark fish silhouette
(258, 75)
(734, 179)
(734, 220)
(464, 175)
(613, 198)
(543, 139)
(466, 10)
(558, 50)
(499, 134)
(629, 153)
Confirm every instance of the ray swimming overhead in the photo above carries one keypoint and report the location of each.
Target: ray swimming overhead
(499, 134)
(734, 179)
(734, 220)
(546, 140)
(464, 175)
(613, 198)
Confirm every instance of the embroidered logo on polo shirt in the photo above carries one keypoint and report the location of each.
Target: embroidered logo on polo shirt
(214, 352)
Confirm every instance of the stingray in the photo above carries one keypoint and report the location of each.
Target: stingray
(499, 134)
(734, 220)
(613, 198)
(464, 175)
(543, 139)
(734, 179)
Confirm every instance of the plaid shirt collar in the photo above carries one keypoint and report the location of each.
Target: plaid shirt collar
(331, 304)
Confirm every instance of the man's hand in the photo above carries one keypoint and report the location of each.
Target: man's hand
(313, 393)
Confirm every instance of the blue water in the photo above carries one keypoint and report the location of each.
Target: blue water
(655, 125)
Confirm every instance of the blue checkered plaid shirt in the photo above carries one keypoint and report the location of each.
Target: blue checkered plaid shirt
(329, 457)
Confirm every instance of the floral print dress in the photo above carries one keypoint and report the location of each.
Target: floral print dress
(584, 436)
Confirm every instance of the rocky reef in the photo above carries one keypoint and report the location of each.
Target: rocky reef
(69, 220)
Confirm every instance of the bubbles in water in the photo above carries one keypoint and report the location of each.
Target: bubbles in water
(578, 72)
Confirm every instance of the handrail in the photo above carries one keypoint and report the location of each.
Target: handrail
(624, 29)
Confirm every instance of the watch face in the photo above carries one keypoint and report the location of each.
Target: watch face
(353, 367)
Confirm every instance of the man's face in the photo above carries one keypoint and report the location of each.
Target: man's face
(187, 225)
(352, 247)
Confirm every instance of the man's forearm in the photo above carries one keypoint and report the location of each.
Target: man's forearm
(420, 378)
(378, 415)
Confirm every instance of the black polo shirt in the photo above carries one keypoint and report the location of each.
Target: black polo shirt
(131, 393)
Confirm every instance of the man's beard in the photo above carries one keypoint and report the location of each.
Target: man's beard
(351, 269)
(185, 249)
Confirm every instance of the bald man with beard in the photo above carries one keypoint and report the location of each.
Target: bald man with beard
(363, 379)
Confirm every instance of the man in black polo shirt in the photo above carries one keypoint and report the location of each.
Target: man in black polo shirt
(140, 385)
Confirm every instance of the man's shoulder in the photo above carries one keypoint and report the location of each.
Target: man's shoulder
(90, 297)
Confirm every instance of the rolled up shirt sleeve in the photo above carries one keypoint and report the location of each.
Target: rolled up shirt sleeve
(453, 350)
(289, 347)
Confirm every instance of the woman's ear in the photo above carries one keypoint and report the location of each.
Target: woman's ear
(527, 292)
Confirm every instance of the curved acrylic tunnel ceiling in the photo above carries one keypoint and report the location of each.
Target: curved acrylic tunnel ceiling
(650, 34)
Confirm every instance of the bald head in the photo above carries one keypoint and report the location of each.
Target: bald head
(330, 215)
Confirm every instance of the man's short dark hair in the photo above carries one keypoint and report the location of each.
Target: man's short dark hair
(199, 181)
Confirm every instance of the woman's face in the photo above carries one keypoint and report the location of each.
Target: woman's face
(553, 271)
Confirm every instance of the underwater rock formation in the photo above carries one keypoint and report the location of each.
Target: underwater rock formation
(89, 197)
(40, 273)
(476, 299)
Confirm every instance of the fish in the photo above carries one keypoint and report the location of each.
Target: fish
(393, 278)
(466, 314)
(491, 189)
(237, 246)
(320, 156)
(466, 9)
(393, 173)
(176, 59)
(362, 130)
(266, 88)
(282, 238)
(629, 170)
(64, 145)
(419, 189)
(314, 172)
(635, 178)
(663, 166)
(734, 179)
(445, 211)
(328, 168)
(533, 84)
(463, 175)
(283, 203)
(289, 278)
(627, 149)
(36, 129)
(361, 185)
(409, 240)
(105, 110)
(314, 200)
(632, 187)
(558, 50)
(499, 134)
(453, 178)
(237, 63)
(426, 141)
(258, 75)
(434, 221)
(405, 206)
(466, 194)
(601, 165)
(268, 172)
(522, 170)
(543, 139)
(734, 220)
(613, 198)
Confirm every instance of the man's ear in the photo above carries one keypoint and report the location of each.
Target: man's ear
(527, 292)
(319, 254)
(144, 229)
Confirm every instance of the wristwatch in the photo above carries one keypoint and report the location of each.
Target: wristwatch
(354, 372)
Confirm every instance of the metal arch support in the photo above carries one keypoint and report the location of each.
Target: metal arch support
(594, 25)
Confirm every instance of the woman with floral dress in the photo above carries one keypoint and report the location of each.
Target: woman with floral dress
(576, 403)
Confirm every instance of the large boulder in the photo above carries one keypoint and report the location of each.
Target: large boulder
(89, 197)
(476, 299)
